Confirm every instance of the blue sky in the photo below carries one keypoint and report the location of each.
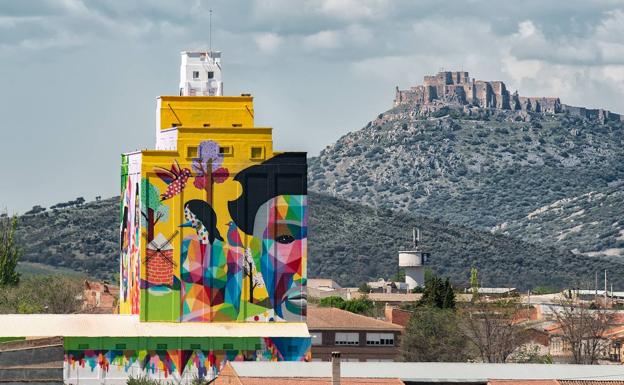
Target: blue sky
(79, 79)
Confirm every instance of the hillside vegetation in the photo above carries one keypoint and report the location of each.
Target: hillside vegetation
(591, 224)
(348, 242)
(480, 171)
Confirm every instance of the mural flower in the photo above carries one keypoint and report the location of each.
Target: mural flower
(207, 167)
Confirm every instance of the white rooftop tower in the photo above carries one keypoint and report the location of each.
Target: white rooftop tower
(200, 73)
(413, 262)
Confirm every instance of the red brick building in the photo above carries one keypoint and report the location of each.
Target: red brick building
(356, 337)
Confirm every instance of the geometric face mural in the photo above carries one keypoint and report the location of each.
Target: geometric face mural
(215, 239)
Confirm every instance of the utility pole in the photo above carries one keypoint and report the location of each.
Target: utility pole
(605, 289)
(596, 289)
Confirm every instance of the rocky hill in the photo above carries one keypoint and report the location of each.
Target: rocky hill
(590, 224)
(476, 169)
(349, 242)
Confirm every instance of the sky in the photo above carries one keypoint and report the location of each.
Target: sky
(79, 79)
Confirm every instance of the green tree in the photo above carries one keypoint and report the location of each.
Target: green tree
(10, 251)
(474, 284)
(152, 208)
(43, 294)
(364, 288)
(433, 334)
(437, 293)
(333, 301)
(361, 305)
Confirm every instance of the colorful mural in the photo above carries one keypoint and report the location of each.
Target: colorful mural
(130, 238)
(213, 228)
(163, 360)
(224, 242)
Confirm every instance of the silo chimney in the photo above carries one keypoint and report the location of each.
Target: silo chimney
(335, 368)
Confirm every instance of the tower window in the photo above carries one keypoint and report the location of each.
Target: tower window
(210, 75)
(195, 74)
(191, 152)
(225, 150)
(257, 153)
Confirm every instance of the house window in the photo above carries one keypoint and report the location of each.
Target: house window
(347, 339)
(210, 75)
(161, 346)
(191, 152)
(317, 338)
(257, 153)
(195, 75)
(120, 346)
(228, 346)
(385, 339)
(195, 346)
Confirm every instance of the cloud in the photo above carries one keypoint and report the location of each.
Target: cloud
(268, 42)
(358, 49)
(322, 39)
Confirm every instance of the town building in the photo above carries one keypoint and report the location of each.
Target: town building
(423, 373)
(213, 243)
(357, 337)
(99, 297)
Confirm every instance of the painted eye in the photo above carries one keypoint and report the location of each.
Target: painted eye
(285, 239)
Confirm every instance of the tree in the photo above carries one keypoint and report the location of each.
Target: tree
(333, 301)
(490, 327)
(582, 330)
(10, 251)
(43, 294)
(152, 208)
(474, 284)
(437, 293)
(364, 288)
(250, 271)
(433, 334)
(361, 305)
(207, 167)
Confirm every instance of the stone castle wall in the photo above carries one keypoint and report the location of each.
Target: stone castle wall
(456, 87)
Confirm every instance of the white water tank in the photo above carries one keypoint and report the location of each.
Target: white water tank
(412, 262)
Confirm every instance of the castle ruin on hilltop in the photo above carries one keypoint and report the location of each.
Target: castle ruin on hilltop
(456, 87)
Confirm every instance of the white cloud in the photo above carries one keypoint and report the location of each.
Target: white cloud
(322, 40)
(268, 42)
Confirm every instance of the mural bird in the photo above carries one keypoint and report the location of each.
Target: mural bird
(233, 235)
(175, 178)
(200, 216)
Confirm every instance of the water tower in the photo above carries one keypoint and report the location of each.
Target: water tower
(413, 263)
(200, 73)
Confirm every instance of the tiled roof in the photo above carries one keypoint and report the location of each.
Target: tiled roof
(390, 297)
(590, 382)
(523, 382)
(318, 381)
(328, 318)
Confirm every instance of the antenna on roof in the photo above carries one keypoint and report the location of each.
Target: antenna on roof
(210, 30)
(415, 237)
